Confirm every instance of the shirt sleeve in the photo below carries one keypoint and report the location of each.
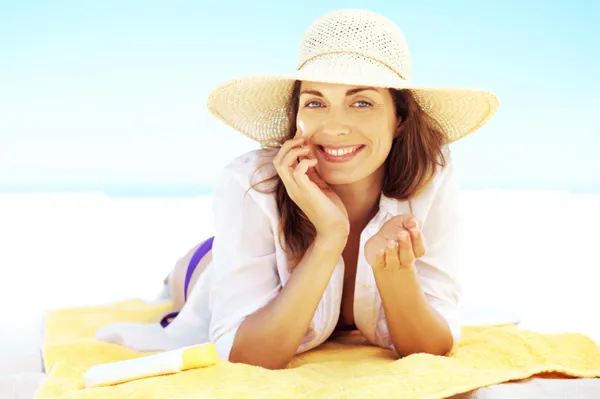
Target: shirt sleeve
(437, 208)
(246, 275)
(439, 268)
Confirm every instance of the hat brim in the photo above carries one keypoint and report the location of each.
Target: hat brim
(256, 106)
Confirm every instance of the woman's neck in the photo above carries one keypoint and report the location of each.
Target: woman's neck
(361, 199)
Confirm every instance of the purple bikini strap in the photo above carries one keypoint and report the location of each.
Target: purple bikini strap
(196, 258)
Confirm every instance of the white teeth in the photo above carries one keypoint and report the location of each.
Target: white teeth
(340, 151)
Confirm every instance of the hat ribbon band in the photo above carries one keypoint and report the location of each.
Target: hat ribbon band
(353, 53)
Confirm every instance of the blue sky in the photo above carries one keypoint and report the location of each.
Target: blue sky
(111, 95)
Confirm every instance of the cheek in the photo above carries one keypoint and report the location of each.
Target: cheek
(388, 135)
(309, 125)
(380, 153)
(378, 127)
(382, 143)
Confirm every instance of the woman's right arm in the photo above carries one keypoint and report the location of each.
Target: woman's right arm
(271, 336)
(254, 319)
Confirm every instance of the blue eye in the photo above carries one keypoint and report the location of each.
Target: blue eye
(365, 104)
(308, 105)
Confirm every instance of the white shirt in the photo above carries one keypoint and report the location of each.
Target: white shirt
(249, 267)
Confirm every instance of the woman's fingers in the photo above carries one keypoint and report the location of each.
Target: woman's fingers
(290, 159)
(285, 166)
(300, 172)
(391, 255)
(405, 249)
(285, 148)
(380, 259)
(418, 244)
(416, 237)
(404, 231)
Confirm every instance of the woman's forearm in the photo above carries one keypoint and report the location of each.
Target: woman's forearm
(413, 325)
(271, 336)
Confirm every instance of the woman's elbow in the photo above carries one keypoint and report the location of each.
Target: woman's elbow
(257, 351)
(439, 347)
(258, 359)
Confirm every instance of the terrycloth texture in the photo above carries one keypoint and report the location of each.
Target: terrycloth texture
(486, 356)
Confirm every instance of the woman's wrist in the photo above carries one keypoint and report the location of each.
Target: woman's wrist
(333, 239)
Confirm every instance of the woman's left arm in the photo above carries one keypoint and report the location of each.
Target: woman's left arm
(415, 266)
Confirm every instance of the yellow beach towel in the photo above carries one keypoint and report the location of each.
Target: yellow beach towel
(485, 356)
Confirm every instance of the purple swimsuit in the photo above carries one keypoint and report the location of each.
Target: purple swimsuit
(196, 258)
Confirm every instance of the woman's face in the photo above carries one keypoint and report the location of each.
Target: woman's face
(350, 128)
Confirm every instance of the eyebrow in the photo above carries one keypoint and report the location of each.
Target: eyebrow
(348, 93)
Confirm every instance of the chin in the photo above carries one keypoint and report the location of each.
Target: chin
(338, 177)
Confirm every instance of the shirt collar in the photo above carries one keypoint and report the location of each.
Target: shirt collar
(388, 207)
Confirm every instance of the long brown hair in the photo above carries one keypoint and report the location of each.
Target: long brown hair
(416, 152)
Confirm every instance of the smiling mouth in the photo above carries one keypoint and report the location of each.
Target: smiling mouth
(339, 154)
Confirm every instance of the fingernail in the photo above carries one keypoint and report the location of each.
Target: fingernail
(402, 235)
(391, 244)
(413, 224)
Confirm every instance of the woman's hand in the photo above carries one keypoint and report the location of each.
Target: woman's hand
(396, 245)
(308, 190)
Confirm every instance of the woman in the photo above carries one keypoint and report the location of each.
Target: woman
(346, 219)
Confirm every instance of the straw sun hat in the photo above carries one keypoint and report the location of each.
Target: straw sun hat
(350, 47)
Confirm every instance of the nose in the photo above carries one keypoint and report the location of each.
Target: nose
(335, 124)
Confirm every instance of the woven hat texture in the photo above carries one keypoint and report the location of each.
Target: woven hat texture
(351, 47)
